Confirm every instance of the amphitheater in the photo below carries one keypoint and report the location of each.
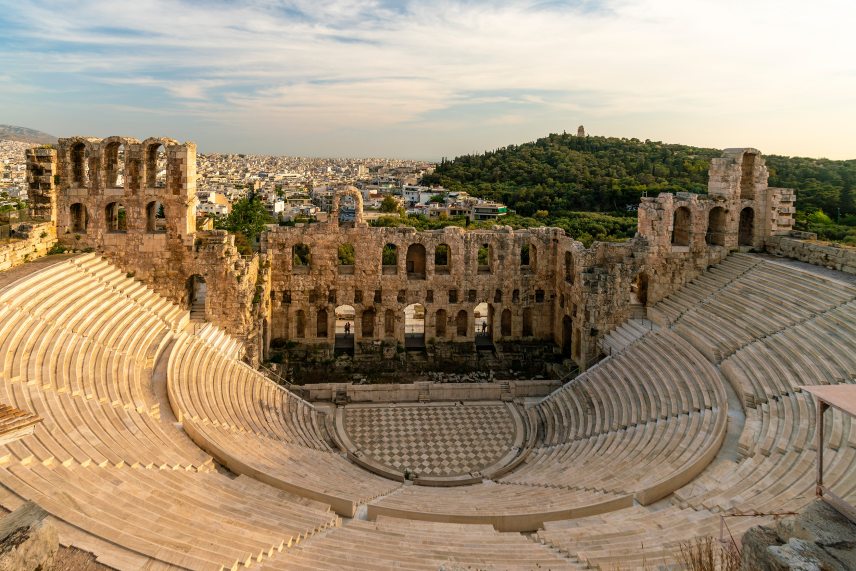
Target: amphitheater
(160, 444)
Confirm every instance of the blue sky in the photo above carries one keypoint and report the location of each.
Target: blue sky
(435, 77)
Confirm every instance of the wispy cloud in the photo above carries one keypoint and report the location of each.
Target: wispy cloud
(501, 68)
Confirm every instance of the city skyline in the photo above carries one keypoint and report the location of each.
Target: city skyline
(431, 79)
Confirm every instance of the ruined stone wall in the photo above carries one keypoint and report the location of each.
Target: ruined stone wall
(30, 241)
(521, 298)
(553, 301)
(114, 196)
(819, 254)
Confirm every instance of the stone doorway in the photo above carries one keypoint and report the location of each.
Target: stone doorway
(197, 292)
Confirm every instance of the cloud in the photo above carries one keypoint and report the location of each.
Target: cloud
(303, 67)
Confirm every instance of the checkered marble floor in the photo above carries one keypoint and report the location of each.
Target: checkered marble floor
(445, 440)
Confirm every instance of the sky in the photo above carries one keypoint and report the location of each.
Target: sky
(432, 78)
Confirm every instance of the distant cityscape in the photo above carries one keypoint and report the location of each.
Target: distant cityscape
(295, 189)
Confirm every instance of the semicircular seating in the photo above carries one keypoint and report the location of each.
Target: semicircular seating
(803, 334)
(625, 464)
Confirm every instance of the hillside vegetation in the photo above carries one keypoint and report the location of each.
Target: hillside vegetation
(562, 179)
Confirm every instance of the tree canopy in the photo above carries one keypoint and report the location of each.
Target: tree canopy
(247, 220)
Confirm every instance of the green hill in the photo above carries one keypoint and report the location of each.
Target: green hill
(558, 177)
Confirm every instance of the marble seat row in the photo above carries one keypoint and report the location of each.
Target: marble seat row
(786, 328)
(625, 335)
(185, 519)
(638, 538)
(506, 506)
(79, 341)
(647, 460)
(766, 299)
(389, 543)
(657, 377)
(205, 384)
(320, 475)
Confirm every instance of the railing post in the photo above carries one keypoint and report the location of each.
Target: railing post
(821, 408)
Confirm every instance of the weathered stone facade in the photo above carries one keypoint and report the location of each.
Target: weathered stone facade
(547, 296)
(119, 198)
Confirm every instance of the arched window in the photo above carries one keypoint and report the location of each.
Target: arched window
(156, 166)
(440, 323)
(389, 259)
(79, 170)
(321, 323)
(716, 227)
(497, 296)
(569, 267)
(416, 262)
(155, 217)
(346, 256)
(442, 259)
(515, 296)
(746, 230)
(368, 323)
(505, 323)
(483, 319)
(114, 167)
(79, 217)
(116, 217)
(485, 259)
(681, 227)
(301, 258)
(300, 324)
(389, 323)
(747, 176)
(461, 322)
(527, 322)
(344, 328)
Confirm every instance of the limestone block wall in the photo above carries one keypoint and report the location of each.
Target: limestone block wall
(32, 241)
(327, 392)
(833, 257)
(521, 297)
(135, 203)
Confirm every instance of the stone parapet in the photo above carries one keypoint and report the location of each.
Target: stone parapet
(825, 255)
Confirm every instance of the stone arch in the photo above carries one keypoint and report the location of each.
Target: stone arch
(681, 227)
(569, 267)
(389, 259)
(79, 217)
(368, 323)
(747, 176)
(442, 259)
(527, 322)
(116, 217)
(115, 153)
(440, 319)
(717, 226)
(483, 322)
(300, 323)
(156, 165)
(505, 323)
(414, 326)
(389, 323)
(344, 328)
(639, 289)
(155, 217)
(415, 262)
(567, 335)
(746, 229)
(461, 322)
(352, 192)
(79, 167)
(321, 325)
